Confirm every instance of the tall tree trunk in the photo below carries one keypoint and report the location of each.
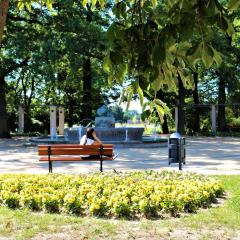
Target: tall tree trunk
(180, 104)
(221, 102)
(87, 89)
(27, 119)
(70, 114)
(4, 5)
(4, 132)
(87, 78)
(165, 128)
(196, 124)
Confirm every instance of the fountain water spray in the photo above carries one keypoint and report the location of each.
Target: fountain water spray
(66, 138)
(126, 134)
(53, 134)
(80, 132)
(155, 131)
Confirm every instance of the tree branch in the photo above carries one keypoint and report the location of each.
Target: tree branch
(23, 19)
(15, 66)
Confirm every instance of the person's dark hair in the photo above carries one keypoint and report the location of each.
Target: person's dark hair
(89, 133)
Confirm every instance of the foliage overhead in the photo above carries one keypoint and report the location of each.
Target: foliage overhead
(55, 46)
(155, 42)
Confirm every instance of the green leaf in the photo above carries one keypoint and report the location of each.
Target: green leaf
(230, 30)
(140, 94)
(122, 97)
(20, 5)
(186, 78)
(217, 56)
(116, 57)
(144, 83)
(111, 32)
(49, 4)
(163, 108)
(160, 112)
(211, 8)
(169, 76)
(159, 53)
(233, 5)
(207, 55)
(93, 4)
(84, 3)
(157, 83)
(116, 10)
(101, 3)
(28, 6)
(110, 79)
(194, 53)
(120, 72)
(130, 95)
(145, 114)
(150, 106)
(107, 63)
(154, 3)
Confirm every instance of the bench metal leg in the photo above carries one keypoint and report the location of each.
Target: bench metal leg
(101, 158)
(101, 165)
(50, 166)
(49, 161)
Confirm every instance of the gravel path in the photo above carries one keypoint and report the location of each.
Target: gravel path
(204, 155)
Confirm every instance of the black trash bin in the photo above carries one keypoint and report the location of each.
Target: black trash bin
(176, 149)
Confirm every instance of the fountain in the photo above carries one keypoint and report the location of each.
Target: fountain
(106, 130)
(104, 126)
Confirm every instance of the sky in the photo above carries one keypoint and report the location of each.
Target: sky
(134, 105)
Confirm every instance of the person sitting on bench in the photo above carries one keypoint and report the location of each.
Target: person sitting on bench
(90, 138)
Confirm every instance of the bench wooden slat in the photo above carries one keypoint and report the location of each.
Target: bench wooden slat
(74, 146)
(75, 151)
(71, 159)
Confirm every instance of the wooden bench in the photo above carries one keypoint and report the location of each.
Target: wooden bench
(72, 152)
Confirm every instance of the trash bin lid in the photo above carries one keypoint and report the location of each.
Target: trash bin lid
(175, 135)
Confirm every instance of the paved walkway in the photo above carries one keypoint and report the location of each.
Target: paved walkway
(204, 155)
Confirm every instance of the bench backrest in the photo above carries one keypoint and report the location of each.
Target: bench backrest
(75, 149)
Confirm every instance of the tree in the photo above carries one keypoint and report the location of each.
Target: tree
(150, 42)
(196, 101)
(61, 43)
(81, 32)
(4, 5)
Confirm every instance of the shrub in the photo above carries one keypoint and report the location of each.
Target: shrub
(134, 194)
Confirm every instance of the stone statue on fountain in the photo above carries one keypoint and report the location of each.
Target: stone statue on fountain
(104, 118)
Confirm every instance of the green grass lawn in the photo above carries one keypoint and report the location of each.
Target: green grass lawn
(148, 129)
(219, 222)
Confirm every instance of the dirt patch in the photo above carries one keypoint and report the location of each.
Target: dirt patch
(139, 234)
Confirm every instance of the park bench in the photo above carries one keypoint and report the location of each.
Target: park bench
(71, 153)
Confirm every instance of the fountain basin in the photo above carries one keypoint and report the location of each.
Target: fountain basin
(106, 135)
(145, 142)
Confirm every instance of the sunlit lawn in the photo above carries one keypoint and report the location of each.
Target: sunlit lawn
(148, 128)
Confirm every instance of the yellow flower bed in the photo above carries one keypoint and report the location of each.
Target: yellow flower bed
(132, 194)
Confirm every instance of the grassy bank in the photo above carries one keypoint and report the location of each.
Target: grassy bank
(220, 222)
